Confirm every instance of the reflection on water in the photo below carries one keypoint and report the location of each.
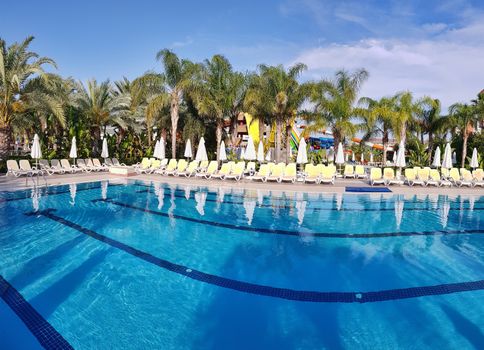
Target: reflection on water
(73, 190)
(35, 198)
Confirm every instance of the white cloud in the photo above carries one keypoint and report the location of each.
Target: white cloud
(186, 42)
(448, 66)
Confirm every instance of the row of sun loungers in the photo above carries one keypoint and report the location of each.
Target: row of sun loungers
(428, 177)
(267, 172)
(56, 166)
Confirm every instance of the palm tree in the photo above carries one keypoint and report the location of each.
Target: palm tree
(462, 118)
(335, 104)
(407, 108)
(131, 107)
(98, 105)
(276, 95)
(178, 76)
(431, 123)
(378, 116)
(238, 85)
(18, 67)
(212, 96)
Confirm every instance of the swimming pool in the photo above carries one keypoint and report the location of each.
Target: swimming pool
(148, 265)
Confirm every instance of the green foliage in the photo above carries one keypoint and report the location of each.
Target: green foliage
(317, 156)
(417, 154)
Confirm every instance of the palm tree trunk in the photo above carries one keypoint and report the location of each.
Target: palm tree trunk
(403, 133)
(277, 145)
(218, 134)
(385, 146)
(5, 141)
(431, 146)
(174, 123)
(262, 129)
(288, 141)
(148, 134)
(234, 135)
(464, 148)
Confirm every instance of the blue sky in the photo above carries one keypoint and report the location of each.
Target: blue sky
(429, 47)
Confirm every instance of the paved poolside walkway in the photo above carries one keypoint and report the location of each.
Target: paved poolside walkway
(11, 183)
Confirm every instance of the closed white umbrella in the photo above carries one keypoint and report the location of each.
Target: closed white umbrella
(260, 152)
(161, 150)
(302, 154)
(400, 162)
(362, 157)
(73, 152)
(222, 152)
(436, 163)
(105, 151)
(339, 155)
(474, 162)
(347, 157)
(447, 159)
(353, 157)
(36, 152)
(156, 150)
(201, 151)
(371, 157)
(188, 149)
(249, 153)
(268, 156)
(454, 158)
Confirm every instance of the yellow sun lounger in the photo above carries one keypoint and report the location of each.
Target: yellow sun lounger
(390, 178)
(327, 175)
(211, 169)
(360, 172)
(189, 170)
(349, 171)
(290, 173)
(237, 172)
(224, 171)
(478, 177)
(170, 168)
(411, 178)
(376, 177)
(263, 173)
(313, 173)
(277, 172)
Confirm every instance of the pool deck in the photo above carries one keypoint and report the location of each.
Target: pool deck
(11, 183)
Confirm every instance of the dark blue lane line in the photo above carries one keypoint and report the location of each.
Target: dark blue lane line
(47, 194)
(283, 293)
(291, 233)
(45, 333)
(283, 206)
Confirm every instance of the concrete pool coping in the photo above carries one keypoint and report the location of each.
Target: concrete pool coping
(10, 183)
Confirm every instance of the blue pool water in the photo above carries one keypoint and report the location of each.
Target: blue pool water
(148, 265)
